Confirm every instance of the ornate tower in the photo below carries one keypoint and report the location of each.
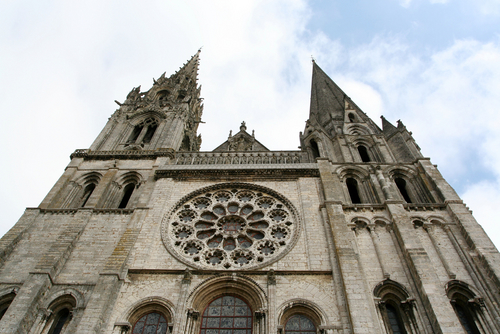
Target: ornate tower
(356, 232)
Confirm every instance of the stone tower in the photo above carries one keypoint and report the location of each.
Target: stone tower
(356, 232)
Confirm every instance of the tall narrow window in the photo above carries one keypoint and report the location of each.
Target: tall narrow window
(352, 186)
(227, 314)
(149, 134)
(465, 318)
(315, 149)
(351, 117)
(89, 189)
(135, 133)
(402, 189)
(151, 323)
(299, 324)
(5, 303)
(395, 321)
(363, 153)
(127, 193)
(60, 320)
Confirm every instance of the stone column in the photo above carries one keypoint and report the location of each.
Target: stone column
(271, 295)
(181, 304)
(437, 305)
(359, 305)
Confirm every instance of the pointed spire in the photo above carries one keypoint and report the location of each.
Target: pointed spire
(191, 67)
(326, 96)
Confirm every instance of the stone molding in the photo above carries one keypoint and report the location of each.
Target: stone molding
(88, 154)
(223, 171)
(241, 158)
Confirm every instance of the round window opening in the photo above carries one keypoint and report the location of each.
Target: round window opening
(231, 226)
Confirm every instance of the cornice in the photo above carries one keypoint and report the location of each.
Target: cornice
(181, 172)
(88, 154)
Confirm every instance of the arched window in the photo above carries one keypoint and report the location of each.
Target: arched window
(395, 321)
(60, 321)
(89, 189)
(227, 314)
(135, 133)
(396, 308)
(299, 324)
(465, 317)
(352, 187)
(149, 133)
(143, 132)
(127, 193)
(401, 184)
(352, 118)
(153, 322)
(314, 149)
(363, 153)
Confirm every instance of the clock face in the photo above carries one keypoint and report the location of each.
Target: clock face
(231, 226)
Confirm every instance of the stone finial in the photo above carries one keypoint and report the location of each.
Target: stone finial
(243, 126)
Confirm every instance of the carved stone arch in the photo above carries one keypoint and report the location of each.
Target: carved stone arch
(145, 306)
(65, 295)
(436, 220)
(83, 187)
(358, 130)
(397, 309)
(411, 188)
(141, 116)
(130, 177)
(456, 286)
(469, 307)
(88, 178)
(303, 307)
(418, 221)
(380, 220)
(359, 222)
(357, 184)
(59, 312)
(388, 286)
(353, 171)
(236, 285)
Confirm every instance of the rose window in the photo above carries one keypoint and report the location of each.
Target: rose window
(229, 227)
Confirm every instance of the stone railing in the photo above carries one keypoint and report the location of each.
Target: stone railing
(240, 158)
(122, 154)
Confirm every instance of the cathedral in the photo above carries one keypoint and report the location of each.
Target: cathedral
(356, 232)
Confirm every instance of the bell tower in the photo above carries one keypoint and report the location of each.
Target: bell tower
(164, 117)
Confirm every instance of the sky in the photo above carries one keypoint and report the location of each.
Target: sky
(434, 64)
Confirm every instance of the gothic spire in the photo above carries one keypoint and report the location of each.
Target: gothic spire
(190, 69)
(327, 99)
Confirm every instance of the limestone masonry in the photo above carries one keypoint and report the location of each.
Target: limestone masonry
(356, 232)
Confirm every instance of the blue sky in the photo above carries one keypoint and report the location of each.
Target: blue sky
(434, 64)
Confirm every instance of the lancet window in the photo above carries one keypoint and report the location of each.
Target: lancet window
(127, 194)
(227, 314)
(363, 153)
(143, 132)
(352, 187)
(151, 323)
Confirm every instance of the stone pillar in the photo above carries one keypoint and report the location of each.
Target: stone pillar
(271, 295)
(181, 304)
(359, 305)
(437, 305)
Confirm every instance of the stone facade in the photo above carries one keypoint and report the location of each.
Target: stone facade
(356, 232)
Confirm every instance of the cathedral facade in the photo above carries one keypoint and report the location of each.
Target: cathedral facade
(355, 232)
